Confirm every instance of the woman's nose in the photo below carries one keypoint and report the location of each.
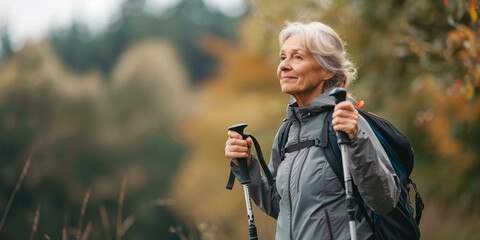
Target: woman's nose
(284, 65)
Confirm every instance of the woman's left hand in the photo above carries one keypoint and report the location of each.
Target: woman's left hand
(345, 118)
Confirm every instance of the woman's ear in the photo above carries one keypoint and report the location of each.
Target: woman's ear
(328, 75)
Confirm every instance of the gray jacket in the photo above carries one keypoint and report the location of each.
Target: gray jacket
(307, 199)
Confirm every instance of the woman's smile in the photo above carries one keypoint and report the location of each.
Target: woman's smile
(288, 78)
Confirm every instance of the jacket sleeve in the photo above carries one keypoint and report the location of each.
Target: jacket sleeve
(372, 171)
(264, 195)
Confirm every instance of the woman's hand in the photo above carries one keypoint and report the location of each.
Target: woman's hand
(236, 147)
(345, 118)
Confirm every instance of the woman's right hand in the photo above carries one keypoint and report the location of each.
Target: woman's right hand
(236, 147)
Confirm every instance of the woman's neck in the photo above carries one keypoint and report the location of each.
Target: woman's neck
(305, 98)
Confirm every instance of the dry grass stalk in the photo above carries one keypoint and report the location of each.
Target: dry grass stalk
(17, 187)
(64, 234)
(178, 231)
(35, 221)
(87, 231)
(47, 237)
(82, 213)
(127, 224)
(105, 222)
(120, 207)
(66, 223)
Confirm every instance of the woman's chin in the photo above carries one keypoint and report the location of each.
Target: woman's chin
(286, 89)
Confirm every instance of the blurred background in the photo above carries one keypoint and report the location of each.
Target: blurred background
(113, 113)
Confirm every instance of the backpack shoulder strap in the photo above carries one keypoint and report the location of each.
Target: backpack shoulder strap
(283, 138)
(331, 149)
(334, 158)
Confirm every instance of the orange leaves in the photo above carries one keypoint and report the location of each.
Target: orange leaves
(473, 10)
(442, 120)
(463, 43)
(462, 37)
(414, 46)
(241, 69)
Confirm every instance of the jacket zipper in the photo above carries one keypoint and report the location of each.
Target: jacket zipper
(290, 174)
(329, 224)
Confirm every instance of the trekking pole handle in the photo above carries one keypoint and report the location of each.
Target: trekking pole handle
(340, 95)
(242, 162)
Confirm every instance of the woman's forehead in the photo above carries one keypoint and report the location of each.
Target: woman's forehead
(293, 43)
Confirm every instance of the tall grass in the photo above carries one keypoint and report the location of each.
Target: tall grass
(105, 222)
(80, 233)
(17, 187)
(35, 221)
(82, 214)
(120, 207)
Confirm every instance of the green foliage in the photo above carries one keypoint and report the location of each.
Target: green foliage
(5, 43)
(184, 25)
(85, 139)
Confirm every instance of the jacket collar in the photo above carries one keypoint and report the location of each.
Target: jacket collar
(320, 104)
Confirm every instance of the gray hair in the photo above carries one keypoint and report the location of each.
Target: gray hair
(327, 48)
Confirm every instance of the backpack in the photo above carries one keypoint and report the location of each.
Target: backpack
(400, 222)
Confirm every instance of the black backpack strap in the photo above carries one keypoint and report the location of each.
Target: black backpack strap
(332, 154)
(283, 138)
(363, 209)
(418, 202)
(302, 145)
(331, 149)
(261, 160)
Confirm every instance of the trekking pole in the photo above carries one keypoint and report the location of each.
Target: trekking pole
(245, 179)
(343, 139)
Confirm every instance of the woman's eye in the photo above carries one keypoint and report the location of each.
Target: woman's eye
(282, 58)
(298, 57)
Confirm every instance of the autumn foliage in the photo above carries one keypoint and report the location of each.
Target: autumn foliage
(139, 118)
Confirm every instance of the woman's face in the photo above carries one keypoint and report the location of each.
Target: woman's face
(299, 73)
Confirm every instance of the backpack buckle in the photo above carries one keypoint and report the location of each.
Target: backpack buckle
(318, 142)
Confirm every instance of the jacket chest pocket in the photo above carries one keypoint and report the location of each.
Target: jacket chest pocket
(310, 179)
(331, 182)
(318, 178)
(290, 172)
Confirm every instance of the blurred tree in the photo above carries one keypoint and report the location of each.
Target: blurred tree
(183, 25)
(90, 134)
(6, 45)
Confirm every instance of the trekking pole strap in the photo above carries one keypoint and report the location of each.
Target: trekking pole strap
(261, 160)
(231, 181)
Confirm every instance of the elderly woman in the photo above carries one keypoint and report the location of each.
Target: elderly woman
(307, 198)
